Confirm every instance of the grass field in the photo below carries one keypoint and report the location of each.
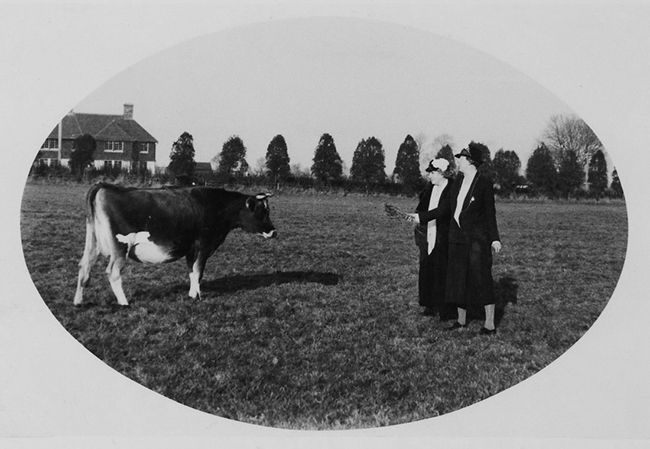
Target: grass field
(320, 328)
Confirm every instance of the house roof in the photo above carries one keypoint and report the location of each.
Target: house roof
(203, 167)
(102, 127)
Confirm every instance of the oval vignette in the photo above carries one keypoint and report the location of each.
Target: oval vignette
(320, 328)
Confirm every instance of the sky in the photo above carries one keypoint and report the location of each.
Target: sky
(348, 77)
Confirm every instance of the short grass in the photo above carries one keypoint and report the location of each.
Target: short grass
(320, 328)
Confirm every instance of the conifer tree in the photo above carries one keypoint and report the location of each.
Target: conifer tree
(570, 174)
(181, 158)
(541, 172)
(232, 159)
(82, 154)
(597, 175)
(328, 165)
(277, 159)
(506, 166)
(368, 163)
(407, 164)
(617, 188)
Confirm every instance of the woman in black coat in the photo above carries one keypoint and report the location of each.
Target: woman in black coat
(473, 235)
(431, 236)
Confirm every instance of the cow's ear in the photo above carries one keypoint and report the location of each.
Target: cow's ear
(250, 203)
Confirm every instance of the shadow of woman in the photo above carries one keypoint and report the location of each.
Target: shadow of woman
(505, 292)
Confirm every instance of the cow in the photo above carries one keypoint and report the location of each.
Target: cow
(157, 225)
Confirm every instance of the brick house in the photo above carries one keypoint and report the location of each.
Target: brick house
(117, 137)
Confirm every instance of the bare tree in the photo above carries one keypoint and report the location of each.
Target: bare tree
(571, 133)
(260, 167)
(298, 171)
(421, 140)
(214, 162)
(433, 149)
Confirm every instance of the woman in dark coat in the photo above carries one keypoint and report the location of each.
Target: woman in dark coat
(473, 235)
(431, 236)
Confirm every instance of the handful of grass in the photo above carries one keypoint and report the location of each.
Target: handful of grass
(395, 212)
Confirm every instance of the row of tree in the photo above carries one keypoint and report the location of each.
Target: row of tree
(569, 162)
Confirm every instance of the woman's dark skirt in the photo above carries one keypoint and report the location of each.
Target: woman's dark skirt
(431, 279)
(469, 274)
(431, 283)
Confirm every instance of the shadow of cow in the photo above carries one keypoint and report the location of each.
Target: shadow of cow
(240, 282)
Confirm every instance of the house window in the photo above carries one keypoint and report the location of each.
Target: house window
(114, 147)
(144, 147)
(50, 144)
(112, 165)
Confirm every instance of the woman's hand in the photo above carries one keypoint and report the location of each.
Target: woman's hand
(496, 246)
(413, 218)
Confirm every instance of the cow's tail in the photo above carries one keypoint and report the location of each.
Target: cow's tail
(90, 248)
(90, 200)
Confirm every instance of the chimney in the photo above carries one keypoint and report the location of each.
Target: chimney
(128, 111)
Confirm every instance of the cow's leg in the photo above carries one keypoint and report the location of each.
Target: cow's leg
(85, 264)
(196, 265)
(114, 272)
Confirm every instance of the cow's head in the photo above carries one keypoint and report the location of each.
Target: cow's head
(255, 216)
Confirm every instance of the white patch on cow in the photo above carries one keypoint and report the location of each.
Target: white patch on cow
(114, 270)
(151, 253)
(143, 248)
(134, 238)
(195, 289)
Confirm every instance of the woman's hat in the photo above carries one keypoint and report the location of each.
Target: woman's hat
(472, 153)
(440, 165)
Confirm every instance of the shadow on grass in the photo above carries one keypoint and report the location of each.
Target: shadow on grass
(505, 292)
(230, 284)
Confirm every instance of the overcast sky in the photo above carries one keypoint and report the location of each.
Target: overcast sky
(347, 77)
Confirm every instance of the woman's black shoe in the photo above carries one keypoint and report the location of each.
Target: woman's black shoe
(429, 312)
(455, 326)
(486, 331)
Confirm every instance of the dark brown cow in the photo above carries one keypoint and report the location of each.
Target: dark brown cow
(163, 225)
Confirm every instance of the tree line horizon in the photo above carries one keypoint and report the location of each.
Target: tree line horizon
(568, 162)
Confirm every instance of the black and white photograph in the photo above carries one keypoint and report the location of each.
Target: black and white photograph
(279, 225)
